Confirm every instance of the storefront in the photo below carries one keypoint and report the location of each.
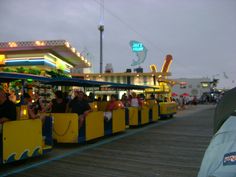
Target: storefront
(46, 58)
(36, 57)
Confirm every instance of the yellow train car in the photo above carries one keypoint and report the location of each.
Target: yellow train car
(148, 113)
(167, 109)
(99, 122)
(24, 138)
(153, 110)
(66, 128)
(114, 121)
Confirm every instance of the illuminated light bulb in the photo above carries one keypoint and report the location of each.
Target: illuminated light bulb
(78, 54)
(95, 106)
(67, 44)
(24, 112)
(39, 43)
(32, 101)
(12, 44)
(137, 75)
(82, 58)
(86, 61)
(42, 43)
(73, 50)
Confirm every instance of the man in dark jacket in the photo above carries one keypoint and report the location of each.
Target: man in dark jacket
(7, 108)
(80, 106)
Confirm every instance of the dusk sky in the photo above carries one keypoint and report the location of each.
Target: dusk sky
(200, 34)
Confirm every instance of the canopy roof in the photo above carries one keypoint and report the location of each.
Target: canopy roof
(8, 77)
(89, 83)
(60, 48)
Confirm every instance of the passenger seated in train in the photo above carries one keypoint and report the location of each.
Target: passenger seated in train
(7, 108)
(31, 108)
(58, 105)
(66, 97)
(104, 98)
(135, 101)
(12, 96)
(166, 99)
(125, 101)
(76, 94)
(91, 97)
(38, 104)
(99, 99)
(160, 98)
(113, 104)
(80, 106)
(152, 97)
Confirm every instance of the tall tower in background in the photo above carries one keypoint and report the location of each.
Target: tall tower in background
(101, 29)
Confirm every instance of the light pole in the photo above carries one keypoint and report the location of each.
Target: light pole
(101, 29)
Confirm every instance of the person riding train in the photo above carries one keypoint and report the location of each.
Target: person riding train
(113, 104)
(7, 108)
(80, 106)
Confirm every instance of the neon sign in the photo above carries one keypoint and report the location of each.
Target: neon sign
(140, 51)
(137, 47)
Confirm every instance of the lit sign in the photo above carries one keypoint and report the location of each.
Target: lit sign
(183, 84)
(140, 51)
(137, 47)
(2, 59)
(205, 84)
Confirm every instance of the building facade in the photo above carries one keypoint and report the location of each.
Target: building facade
(192, 86)
(40, 55)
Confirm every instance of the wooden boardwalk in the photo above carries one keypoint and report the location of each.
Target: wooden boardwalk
(172, 148)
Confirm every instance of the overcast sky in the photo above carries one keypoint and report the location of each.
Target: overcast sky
(200, 34)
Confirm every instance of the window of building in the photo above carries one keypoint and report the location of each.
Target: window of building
(106, 78)
(118, 79)
(112, 78)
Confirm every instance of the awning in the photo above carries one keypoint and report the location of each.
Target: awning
(73, 82)
(128, 86)
(89, 83)
(8, 77)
